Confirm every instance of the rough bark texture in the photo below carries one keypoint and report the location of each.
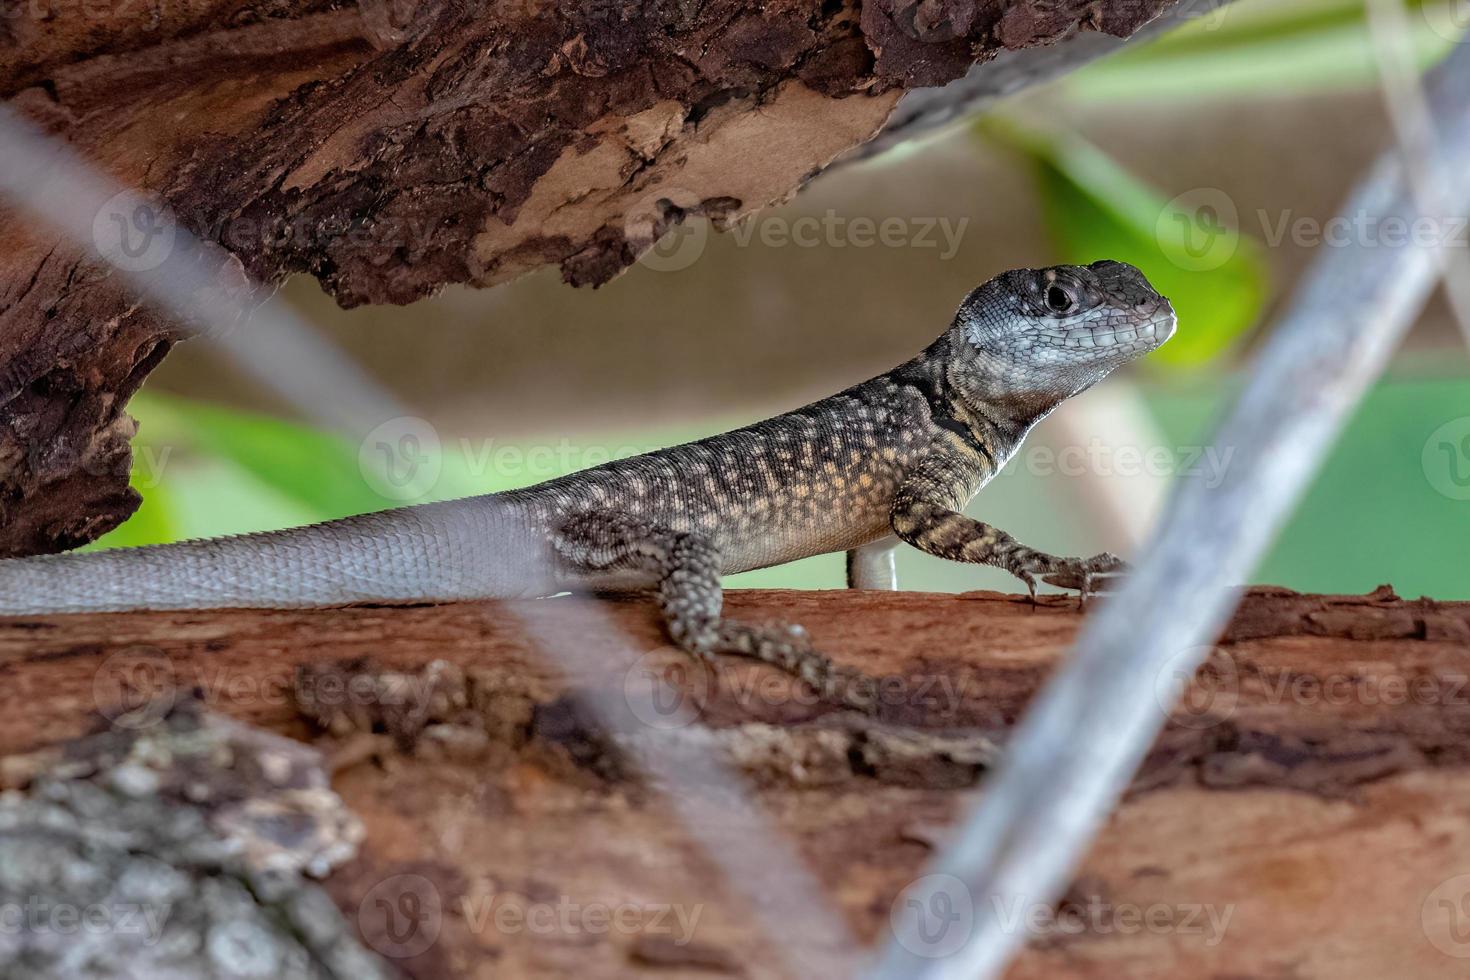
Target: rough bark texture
(1306, 814)
(390, 147)
(173, 845)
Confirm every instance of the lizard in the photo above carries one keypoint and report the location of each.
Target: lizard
(892, 459)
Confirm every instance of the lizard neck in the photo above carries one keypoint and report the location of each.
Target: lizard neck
(993, 429)
(991, 392)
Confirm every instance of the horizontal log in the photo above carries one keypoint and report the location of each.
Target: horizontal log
(1306, 813)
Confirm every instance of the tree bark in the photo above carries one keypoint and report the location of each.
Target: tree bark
(1307, 811)
(394, 146)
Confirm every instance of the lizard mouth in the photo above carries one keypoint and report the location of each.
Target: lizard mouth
(1125, 331)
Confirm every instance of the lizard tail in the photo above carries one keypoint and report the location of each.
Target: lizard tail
(462, 549)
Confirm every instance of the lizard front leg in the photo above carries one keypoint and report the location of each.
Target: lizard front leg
(926, 515)
(686, 568)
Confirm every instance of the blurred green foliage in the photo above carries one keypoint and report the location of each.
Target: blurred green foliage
(206, 470)
(1262, 47)
(1214, 275)
(1384, 508)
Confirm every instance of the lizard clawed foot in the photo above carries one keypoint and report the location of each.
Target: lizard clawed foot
(1089, 576)
(1030, 581)
(788, 648)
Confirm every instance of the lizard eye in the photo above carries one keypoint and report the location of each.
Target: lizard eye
(1058, 299)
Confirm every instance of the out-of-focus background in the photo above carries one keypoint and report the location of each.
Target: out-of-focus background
(1214, 158)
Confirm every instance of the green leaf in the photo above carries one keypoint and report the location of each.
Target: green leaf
(1189, 247)
(316, 469)
(1262, 46)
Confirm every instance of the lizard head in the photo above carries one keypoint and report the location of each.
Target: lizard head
(1030, 338)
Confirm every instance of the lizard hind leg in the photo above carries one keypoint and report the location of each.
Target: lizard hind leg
(683, 565)
(686, 568)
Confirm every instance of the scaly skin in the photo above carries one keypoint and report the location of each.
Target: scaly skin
(893, 458)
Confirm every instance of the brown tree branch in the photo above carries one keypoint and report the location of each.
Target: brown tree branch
(1326, 735)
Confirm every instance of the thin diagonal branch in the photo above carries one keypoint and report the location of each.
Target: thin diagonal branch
(1408, 113)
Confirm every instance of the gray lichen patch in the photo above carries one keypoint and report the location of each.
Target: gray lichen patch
(176, 850)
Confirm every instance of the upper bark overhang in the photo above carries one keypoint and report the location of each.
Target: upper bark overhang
(474, 143)
(392, 147)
